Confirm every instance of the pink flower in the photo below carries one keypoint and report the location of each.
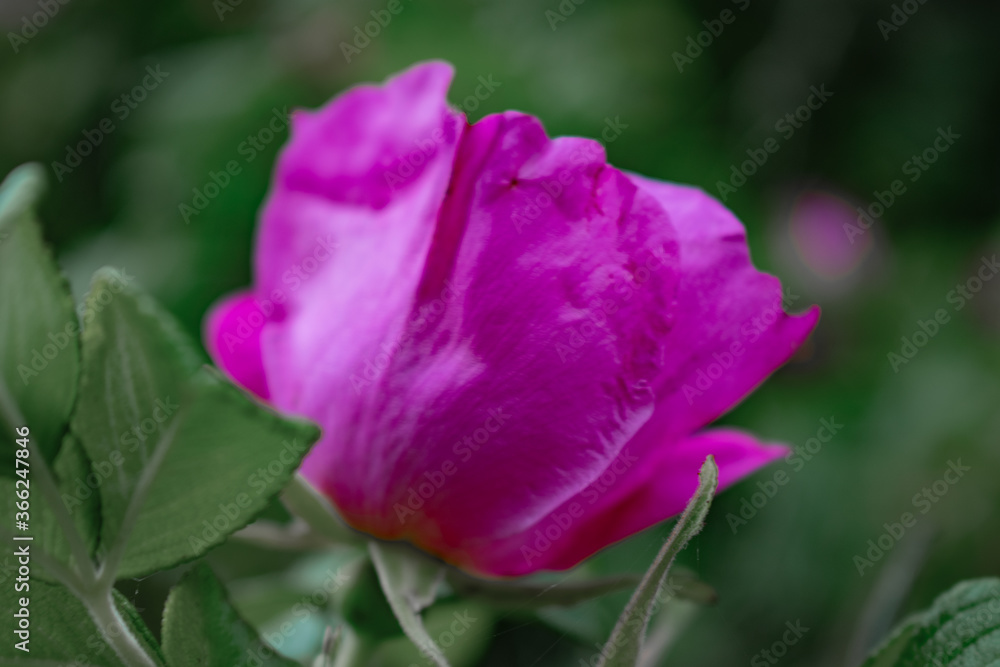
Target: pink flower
(511, 346)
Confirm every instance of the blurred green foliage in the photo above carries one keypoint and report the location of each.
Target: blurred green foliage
(227, 68)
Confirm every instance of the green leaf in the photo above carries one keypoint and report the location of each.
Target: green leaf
(75, 476)
(961, 628)
(410, 583)
(200, 627)
(62, 632)
(184, 457)
(230, 456)
(135, 372)
(623, 647)
(39, 347)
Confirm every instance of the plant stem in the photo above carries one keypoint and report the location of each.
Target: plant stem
(625, 643)
(101, 606)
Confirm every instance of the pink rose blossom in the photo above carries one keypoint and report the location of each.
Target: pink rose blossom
(512, 347)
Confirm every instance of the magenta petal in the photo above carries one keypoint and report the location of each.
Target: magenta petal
(232, 335)
(731, 332)
(528, 362)
(346, 231)
(662, 487)
(632, 495)
(488, 324)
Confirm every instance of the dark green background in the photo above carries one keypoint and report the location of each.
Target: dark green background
(794, 560)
